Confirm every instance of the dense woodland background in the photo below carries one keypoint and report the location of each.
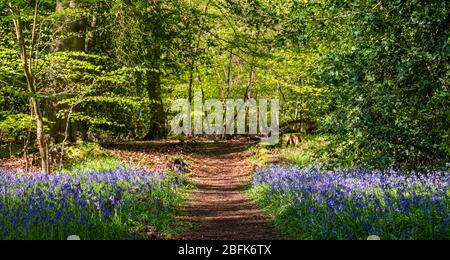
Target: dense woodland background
(370, 75)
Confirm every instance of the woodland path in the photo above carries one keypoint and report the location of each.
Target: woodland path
(218, 208)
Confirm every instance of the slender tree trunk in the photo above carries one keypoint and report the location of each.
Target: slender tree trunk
(228, 89)
(41, 139)
(191, 81)
(26, 144)
(202, 89)
(251, 82)
(194, 58)
(252, 78)
(229, 69)
(66, 136)
(27, 61)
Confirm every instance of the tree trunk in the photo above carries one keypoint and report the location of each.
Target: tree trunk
(70, 36)
(251, 82)
(252, 77)
(228, 89)
(157, 129)
(191, 81)
(90, 42)
(27, 65)
(73, 29)
(41, 139)
(192, 65)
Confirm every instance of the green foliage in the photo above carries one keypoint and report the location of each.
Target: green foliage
(93, 163)
(389, 84)
(85, 150)
(372, 75)
(313, 150)
(16, 127)
(87, 157)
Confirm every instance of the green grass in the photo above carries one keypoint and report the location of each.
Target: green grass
(90, 157)
(97, 163)
(312, 150)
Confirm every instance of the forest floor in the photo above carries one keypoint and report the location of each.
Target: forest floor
(218, 208)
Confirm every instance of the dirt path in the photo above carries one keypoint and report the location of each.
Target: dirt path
(219, 209)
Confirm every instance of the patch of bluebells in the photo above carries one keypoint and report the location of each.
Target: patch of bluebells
(354, 204)
(92, 205)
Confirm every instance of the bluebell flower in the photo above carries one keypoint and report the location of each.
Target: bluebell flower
(50, 205)
(383, 200)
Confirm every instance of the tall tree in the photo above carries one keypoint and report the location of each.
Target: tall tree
(157, 129)
(70, 36)
(148, 36)
(26, 53)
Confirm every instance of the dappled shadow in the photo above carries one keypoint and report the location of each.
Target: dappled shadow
(218, 148)
(219, 208)
(166, 147)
